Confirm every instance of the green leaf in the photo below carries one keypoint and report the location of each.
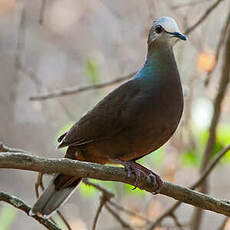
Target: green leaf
(7, 216)
(129, 190)
(222, 139)
(203, 137)
(190, 158)
(92, 70)
(223, 134)
(87, 190)
(153, 159)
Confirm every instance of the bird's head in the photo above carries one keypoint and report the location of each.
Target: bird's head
(165, 30)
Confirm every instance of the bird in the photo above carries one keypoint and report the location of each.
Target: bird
(133, 120)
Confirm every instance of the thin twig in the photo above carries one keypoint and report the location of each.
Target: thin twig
(192, 3)
(42, 11)
(75, 90)
(38, 184)
(218, 49)
(63, 218)
(176, 221)
(4, 148)
(128, 211)
(168, 212)
(103, 200)
(204, 175)
(19, 204)
(210, 167)
(20, 47)
(123, 223)
(203, 17)
(20, 35)
(108, 194)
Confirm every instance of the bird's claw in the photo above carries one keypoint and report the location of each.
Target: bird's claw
(156, 179)
(138, 170)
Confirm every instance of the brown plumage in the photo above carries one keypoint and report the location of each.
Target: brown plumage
(133, 120)
(127, 124)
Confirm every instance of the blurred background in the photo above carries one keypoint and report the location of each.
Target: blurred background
(50, 45)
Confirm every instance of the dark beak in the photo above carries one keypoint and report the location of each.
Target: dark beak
(179, 35)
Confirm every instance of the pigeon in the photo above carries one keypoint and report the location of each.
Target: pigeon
(133, 120)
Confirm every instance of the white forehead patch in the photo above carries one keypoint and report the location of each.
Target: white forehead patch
(169, 24)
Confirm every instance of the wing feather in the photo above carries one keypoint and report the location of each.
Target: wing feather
(105, 120)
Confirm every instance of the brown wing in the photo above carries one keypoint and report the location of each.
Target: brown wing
(105, 120)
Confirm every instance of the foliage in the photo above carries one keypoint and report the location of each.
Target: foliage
(7, 216)
(192, 157)
(92, 70)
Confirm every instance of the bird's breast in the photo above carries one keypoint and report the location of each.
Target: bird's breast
(149, 119)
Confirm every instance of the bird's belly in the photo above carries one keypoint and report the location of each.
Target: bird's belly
(146, 132)
(128, 145)
(147, 143)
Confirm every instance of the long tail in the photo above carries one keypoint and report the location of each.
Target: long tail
(55, 195)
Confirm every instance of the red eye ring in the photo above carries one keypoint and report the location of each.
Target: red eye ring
(158, 29)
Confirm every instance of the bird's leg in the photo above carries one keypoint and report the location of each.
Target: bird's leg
(137, 169)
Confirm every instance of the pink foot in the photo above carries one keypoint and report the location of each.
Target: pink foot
(137, 169)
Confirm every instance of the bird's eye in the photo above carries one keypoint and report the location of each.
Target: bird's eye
(158, 29)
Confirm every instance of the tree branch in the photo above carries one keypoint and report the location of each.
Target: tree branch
(188, 4)
(19, 204)
(222, 90)
(128, 211)
(210, 167)
(218, 48)
(202, 178)
(75, 90)
(103, 200)
(123, 223)
(101, 172)
(106, 193)
(42, 11)
(203, 17)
